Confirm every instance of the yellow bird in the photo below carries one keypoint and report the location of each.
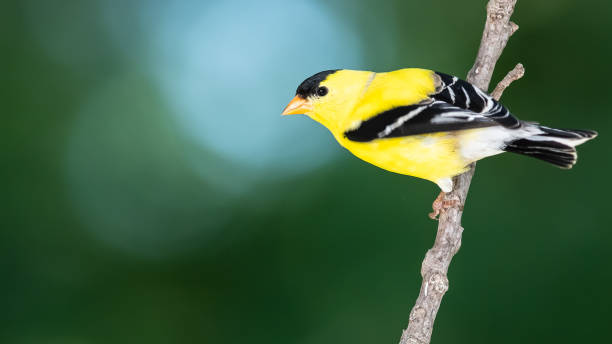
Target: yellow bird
(423, 123)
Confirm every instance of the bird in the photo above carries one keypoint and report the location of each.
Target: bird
(425, 124)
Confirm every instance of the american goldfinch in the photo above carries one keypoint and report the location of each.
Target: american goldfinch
(423, 123)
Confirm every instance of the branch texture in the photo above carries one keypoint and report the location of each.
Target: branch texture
(497, 31)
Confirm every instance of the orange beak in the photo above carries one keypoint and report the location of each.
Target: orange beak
(297, 105)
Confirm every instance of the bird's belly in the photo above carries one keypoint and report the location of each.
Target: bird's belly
(429, 156)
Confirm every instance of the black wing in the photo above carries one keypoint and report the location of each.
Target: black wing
(456, 105)
(423, 118)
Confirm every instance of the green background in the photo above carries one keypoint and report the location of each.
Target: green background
(118, 226)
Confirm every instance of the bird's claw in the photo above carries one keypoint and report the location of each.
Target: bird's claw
(440, 204)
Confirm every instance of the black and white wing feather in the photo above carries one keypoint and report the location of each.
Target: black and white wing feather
(460, 93)
(456, 105)
(422, 118)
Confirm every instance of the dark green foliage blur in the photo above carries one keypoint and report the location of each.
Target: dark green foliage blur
(119, 227)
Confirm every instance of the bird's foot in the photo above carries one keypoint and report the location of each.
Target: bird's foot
(440, 204)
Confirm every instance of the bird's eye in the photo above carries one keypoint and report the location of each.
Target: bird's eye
(321, 91)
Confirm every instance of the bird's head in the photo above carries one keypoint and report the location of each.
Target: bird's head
(329, 97)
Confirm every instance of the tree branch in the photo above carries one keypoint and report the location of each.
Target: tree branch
(497, 31)
(516, 73)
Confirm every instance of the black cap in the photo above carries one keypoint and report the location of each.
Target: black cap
(309, 86)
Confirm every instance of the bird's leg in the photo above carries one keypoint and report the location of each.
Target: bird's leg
(440, 204)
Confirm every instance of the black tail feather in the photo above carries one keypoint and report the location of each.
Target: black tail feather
(553, 152)
(555, 146)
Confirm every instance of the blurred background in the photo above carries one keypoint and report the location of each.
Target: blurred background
(152, 193)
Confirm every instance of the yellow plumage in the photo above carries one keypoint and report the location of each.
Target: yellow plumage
(430, 156)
